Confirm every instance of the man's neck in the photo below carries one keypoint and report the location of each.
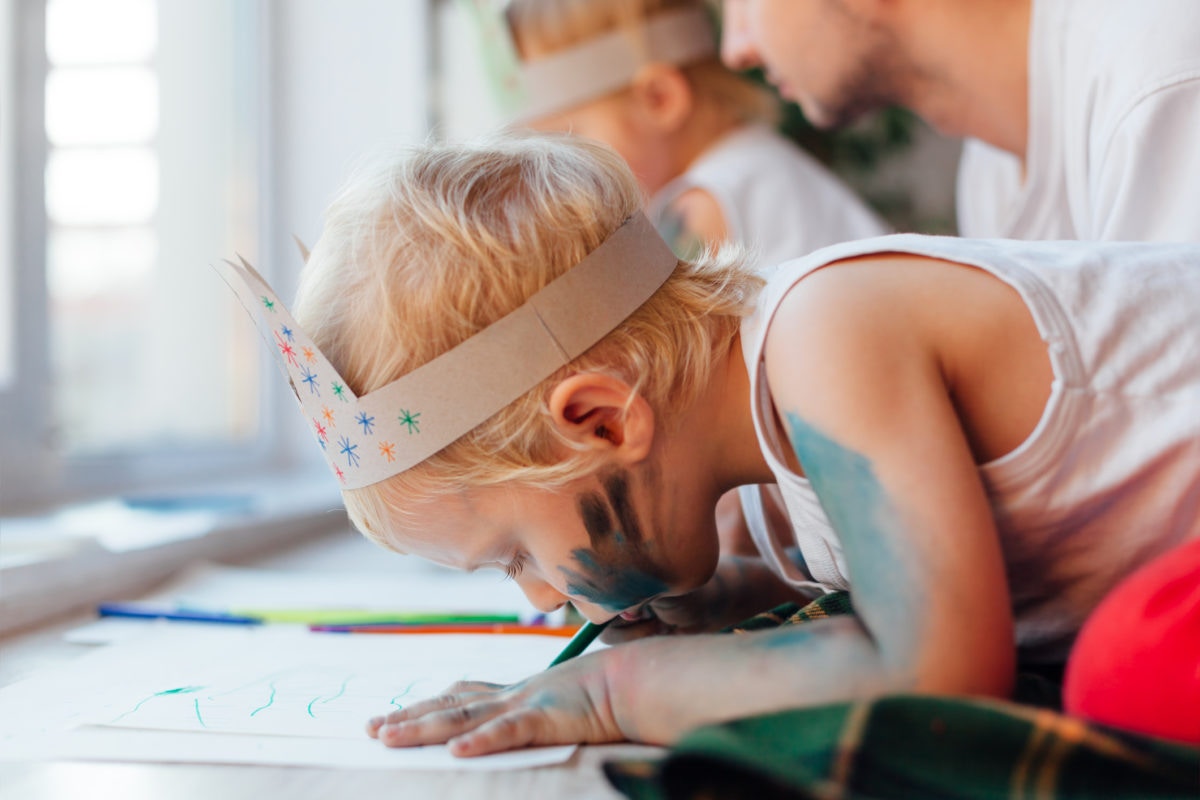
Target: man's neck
(976, 73)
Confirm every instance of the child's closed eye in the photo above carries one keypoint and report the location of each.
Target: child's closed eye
(513, 568)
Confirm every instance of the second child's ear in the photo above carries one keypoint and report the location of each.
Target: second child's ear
(662, 94)
(605, 414)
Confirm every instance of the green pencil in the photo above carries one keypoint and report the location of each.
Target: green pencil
(580, 641)
(349, 616)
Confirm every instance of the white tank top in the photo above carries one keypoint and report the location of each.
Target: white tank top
(1109, 478)
(776, 199)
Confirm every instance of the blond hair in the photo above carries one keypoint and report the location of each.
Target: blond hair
(423, 250)
(543, 27)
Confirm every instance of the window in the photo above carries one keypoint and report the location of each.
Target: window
(138, 165)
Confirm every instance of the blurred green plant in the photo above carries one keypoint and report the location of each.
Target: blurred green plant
(857, 152)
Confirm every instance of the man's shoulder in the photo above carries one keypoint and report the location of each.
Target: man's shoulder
(1116, 52)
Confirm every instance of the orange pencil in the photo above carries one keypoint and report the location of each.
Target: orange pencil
(541, 630)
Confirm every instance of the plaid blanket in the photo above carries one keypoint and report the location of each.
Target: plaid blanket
(909, 746)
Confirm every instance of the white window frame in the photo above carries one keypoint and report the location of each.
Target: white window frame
(33, 473)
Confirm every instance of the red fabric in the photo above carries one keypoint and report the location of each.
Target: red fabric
(1136, 663)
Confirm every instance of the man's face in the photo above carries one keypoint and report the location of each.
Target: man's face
(606, 543)
(825, 55)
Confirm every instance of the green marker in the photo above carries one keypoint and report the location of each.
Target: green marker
(329, 616)
(580, 641)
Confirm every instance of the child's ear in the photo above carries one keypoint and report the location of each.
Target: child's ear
(603, 413)
(661, 93)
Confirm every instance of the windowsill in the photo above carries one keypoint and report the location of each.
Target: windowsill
(70, 559)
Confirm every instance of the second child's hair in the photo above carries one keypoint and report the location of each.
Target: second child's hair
(543, 27)
(424, 249)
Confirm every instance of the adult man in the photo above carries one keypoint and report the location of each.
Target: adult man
(1082, 116)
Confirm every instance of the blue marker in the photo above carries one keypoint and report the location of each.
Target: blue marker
(134, 611)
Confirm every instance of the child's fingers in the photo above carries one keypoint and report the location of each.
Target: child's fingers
(436, 727)
(463, 690)
(515, 729)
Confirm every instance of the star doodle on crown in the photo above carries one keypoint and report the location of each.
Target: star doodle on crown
(367, 422)
(409, 419)
(346, 448)
(288, 352)
(310, 377)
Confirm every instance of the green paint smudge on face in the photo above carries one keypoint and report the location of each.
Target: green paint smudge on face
(615, 573)
(613, 587)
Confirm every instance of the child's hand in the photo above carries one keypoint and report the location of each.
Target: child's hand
(567, 704)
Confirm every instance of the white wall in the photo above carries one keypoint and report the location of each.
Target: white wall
(347, 77)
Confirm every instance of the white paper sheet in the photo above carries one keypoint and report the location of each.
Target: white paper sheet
(272, 695)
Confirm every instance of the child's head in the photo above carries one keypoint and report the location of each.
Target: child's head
(422, 251)
(671, 105)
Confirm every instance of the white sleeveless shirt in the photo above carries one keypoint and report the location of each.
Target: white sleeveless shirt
(777, 200)
(1109, 478)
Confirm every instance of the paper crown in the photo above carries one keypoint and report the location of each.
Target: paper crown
(397, 426)
(591, 69)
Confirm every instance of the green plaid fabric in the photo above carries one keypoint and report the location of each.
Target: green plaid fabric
(908, 746)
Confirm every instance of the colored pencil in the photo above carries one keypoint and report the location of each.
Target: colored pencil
(586, 635)
(136, 611)
(319, 616)
(466, 628)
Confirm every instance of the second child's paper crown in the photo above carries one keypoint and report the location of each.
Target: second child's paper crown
(590, 69)
(397, 426)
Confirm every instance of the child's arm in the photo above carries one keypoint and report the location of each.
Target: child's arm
(856, 372)
(693, 222)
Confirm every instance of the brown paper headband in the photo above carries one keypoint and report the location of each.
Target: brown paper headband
(397, 426)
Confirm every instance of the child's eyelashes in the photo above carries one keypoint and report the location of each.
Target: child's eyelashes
(513, 568)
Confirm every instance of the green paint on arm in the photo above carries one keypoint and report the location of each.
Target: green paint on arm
(683, 241)
(867, 524)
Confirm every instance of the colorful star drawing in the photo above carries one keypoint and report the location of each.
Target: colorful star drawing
(366, 422)
(388, 451)
(327, 415)
(339, 391)
(287, 350)
(268, 303)
(287, 333)
(341, 475)
(310, 377)
(309, 355)
(322, 433)
(410, 419)
(347, 449)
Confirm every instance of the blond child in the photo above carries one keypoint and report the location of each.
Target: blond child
(979, 438)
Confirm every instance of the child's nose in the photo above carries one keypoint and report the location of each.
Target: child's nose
(544, 597)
